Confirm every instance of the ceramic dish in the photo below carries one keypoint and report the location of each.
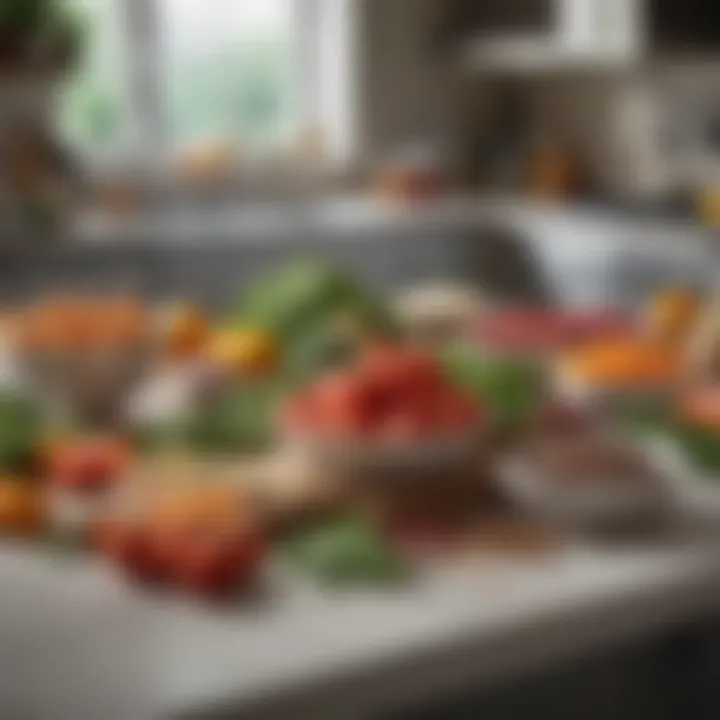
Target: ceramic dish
(596, 503)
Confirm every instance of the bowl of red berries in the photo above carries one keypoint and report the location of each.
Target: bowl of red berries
(394, 412)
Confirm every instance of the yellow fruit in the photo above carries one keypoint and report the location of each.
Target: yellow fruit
(672, 314)
(708, 206)
(22, 508)
(187, 331)
(248, 352)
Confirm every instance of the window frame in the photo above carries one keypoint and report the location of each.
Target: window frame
(324, 38)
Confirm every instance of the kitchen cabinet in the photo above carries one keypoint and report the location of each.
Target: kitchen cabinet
(515, 16)
(686, 25)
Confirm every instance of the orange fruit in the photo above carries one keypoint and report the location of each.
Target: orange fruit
(186, 330)
(22, 508)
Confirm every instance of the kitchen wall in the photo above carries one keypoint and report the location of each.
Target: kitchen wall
(620, 121)
(408, 91)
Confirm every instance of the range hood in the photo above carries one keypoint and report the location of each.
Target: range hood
(571, 34)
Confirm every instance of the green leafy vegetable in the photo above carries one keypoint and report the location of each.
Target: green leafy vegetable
(240, 420)
(701, 447)
(318, 313)
(21, 432)
(346, 551)
(304, 294)
(512, 390)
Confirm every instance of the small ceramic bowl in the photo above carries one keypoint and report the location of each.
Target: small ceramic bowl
(591, 505)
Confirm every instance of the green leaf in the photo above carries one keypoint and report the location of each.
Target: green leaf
(21, 431)
(240, 420)
(512, 389)
(701, 447)
(344, 551)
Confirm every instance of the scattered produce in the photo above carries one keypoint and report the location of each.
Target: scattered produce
(186, 331)
(87, 464)
(671, 315)
(536, 333)
(22, 508)
(316, 313)
(512, 390)
(305, 295)
(169, 413)
(239, 420)
(623, 365)
(72, 325)
(394, 395)
(692, 424)
(700, 408)
(250, 353)
(22, 430)
(346, 551)
(700, 445)
(197, 538)
(187, 509)
(695, 427)
(218, 563)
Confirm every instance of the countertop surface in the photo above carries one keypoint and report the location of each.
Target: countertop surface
(347, 216)
(78, 642)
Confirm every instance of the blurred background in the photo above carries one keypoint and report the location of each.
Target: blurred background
(162, 120)
(540, 153)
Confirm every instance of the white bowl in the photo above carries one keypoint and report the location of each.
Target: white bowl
(581, 505)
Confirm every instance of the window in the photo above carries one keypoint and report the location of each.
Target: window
(92, 103)
(166, 74)
(228, 71)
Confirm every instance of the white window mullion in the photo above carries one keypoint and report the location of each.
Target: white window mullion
(140, 19)
(332, 73)
(306, 24)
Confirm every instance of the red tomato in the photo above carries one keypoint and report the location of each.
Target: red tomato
(215, 564)
(458, 413)
(701, 407)
(126, 544)
(345, 405)
(401, 372)
(166, 549)
(300, 414)
(402, 428)
(88, 464)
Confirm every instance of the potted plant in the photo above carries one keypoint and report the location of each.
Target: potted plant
(38, 36)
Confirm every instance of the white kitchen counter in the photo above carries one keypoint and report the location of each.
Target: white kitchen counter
(79, 643)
